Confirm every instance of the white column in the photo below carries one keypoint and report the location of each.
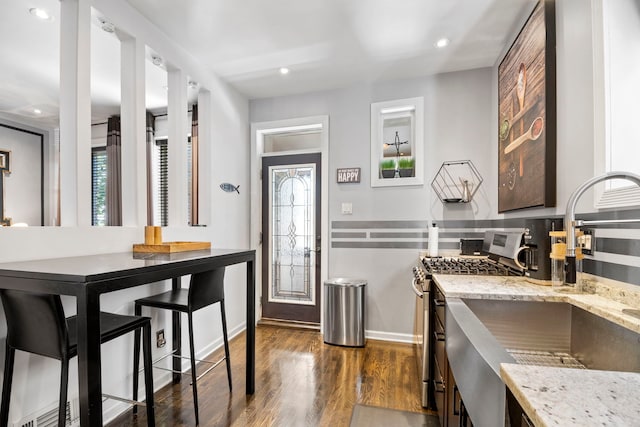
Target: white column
(177, 150)
(75, 113)
(133, 124)
(205, 133)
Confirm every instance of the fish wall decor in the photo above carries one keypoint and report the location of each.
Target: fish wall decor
(229, 188)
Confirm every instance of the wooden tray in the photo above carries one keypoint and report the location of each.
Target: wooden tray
(170, 247)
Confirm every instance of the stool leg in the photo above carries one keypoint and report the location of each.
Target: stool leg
(9, 357)
(193, 367)
(226, 343)
(148, 375)
(64, 383)
(136, 359)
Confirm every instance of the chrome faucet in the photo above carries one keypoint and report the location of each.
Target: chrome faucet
(570, 222)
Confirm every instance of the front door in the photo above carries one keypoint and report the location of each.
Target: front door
(291, 237)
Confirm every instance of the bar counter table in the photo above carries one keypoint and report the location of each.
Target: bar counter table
(88, 277)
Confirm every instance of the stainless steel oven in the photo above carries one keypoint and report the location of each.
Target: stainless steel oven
(421, 330)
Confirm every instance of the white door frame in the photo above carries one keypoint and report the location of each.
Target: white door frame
(258, 132)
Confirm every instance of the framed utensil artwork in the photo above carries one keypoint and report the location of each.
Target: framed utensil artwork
(527, 115)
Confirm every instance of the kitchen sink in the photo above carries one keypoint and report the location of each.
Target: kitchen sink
(482, 333)
(558, 334)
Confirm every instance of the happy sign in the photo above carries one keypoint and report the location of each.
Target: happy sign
(348, 175)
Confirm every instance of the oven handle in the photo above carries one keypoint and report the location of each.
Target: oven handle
(415, 288)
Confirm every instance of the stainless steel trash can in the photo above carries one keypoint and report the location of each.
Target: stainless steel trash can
(344, 312)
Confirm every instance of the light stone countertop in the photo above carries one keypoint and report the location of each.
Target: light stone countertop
(520, 288)
(563, 396)
(574, 397)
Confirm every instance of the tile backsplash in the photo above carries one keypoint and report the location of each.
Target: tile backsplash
(616, 258)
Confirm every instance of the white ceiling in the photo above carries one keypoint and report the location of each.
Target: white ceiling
(334, 43)
(326, 44)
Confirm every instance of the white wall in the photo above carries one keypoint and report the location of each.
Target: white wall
(575, 104)
(457, 125)
(622, 43)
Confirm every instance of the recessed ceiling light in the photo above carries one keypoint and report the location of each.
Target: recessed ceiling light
(40, 13)
(37, 111)
(443, 42)
(284, 71)
(157, 60)
(107, 26)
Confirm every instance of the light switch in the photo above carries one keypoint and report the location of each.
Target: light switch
(347, 209)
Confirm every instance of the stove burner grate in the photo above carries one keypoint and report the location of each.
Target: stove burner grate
(464, 266)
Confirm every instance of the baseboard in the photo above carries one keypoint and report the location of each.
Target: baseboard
(389, 336)
(374, 335)
(289, 324)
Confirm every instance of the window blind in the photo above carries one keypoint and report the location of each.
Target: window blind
(161, 181)
(162, 195)
(98, 185)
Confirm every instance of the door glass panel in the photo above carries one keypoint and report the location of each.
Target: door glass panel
(291, 201)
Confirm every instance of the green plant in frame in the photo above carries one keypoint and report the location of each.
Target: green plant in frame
(388, 164)
(406, 167)
(388, 168)
(406, 163)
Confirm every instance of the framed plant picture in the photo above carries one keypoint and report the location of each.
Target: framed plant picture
(397, 142)
(527, 115)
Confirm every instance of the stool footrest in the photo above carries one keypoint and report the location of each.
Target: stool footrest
(214, 364)
(122, 399)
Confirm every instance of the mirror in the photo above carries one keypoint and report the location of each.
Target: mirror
(158, 144)
(193, 158)
(105, 121)
(156, 101)
(30, 103)
(29, 66)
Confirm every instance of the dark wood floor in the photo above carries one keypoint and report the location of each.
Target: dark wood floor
(300, 381)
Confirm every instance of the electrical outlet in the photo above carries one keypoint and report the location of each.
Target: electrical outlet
(587, 241)
(160, 341)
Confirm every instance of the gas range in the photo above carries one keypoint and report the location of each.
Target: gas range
(502, 249)
(466, 266)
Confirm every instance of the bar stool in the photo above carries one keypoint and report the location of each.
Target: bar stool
(36, 324)
(205, 289)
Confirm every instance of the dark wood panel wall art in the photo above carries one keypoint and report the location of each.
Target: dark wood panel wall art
(527, 115)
